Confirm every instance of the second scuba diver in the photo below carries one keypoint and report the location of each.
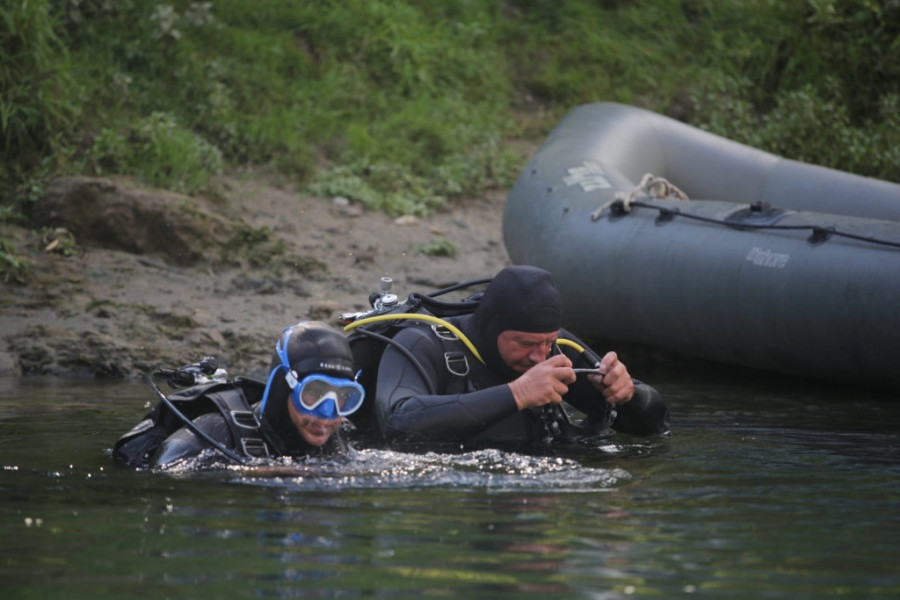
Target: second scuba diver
(516, 390)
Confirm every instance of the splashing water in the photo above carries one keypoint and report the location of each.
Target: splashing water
(494, 470)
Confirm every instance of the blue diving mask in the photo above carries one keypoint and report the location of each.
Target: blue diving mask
(311, 394)
(323, 396)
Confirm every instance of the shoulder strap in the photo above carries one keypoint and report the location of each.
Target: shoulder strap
(454, 351)
(242, 421)
(456, 359)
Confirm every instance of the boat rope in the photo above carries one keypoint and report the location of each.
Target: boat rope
(651, 185)
(819, 233)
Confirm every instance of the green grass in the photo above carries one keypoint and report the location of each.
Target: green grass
(406, 105)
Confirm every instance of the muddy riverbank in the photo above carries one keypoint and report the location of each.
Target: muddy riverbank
(121, 279)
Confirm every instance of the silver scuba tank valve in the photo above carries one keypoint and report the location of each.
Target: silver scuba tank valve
(385, 298)
(218, 376)
(380, 301)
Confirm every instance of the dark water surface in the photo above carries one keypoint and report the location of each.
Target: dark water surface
(763, 490)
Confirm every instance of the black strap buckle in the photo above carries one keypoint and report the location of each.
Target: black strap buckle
(255, 447)
(444, 333)
(245, 419)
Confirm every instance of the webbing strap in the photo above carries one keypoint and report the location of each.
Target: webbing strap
(242, 422)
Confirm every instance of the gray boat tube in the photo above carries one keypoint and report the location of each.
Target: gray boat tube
(809, 285)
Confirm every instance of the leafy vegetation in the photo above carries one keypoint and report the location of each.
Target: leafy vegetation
(438, 247)
(406, 105)
(12, 268)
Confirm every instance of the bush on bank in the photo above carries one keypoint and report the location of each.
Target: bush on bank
(406, 105)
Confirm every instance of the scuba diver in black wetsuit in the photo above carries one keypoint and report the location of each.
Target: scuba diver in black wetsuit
(511, 389)
(297, 412)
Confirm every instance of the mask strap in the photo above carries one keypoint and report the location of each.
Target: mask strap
(281, 351)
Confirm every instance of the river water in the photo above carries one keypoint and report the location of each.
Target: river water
(766, 488)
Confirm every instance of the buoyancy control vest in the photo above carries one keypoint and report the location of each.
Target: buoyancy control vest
(233, 400)
(372, 331)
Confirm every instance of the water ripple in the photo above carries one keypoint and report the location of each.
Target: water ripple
(493, 470)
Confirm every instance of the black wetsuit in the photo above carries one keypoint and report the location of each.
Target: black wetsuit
(479, 409)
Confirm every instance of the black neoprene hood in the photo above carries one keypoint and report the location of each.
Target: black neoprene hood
(312, 347)
(519, 298)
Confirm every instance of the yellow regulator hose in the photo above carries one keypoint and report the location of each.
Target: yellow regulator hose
(578, 347)
(455, 330)
(416, 317)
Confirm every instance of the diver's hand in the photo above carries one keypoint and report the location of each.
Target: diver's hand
(614, 382)
(544, 383)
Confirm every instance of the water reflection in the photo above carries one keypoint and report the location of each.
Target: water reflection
(763, 490)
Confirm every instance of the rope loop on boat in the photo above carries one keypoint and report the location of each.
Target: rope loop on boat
(650, 185)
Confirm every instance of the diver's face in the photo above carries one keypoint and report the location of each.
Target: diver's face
(521, 350)
(314, 430)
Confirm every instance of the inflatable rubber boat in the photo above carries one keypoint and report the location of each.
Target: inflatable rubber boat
(663, 235)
